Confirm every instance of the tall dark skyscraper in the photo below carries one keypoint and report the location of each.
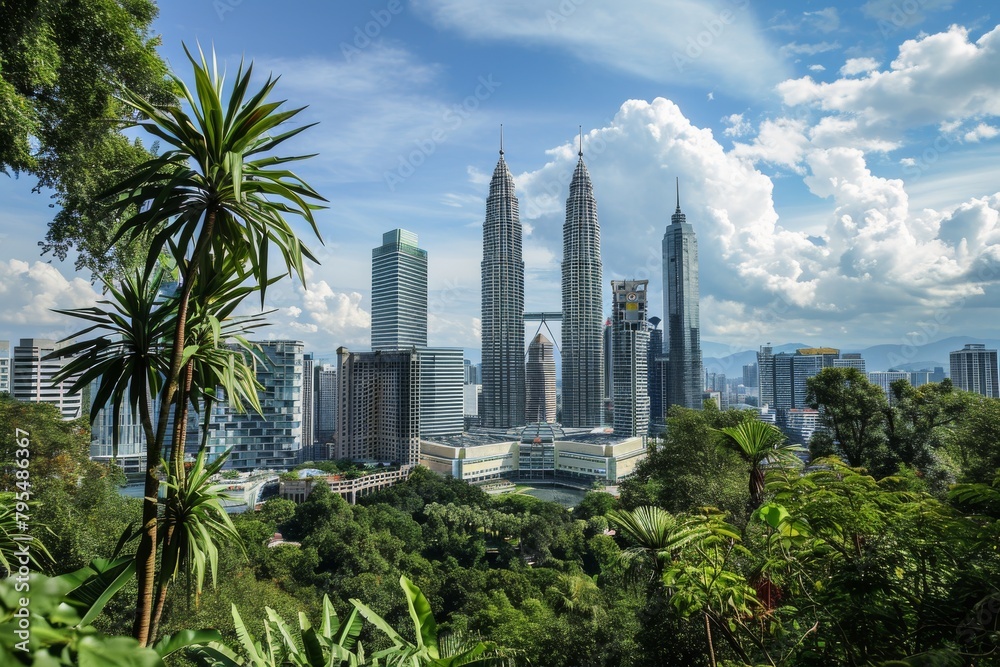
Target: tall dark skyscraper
(680, 307)
(582, 306)
(503, 304)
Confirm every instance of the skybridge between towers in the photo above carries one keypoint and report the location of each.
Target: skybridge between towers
(543, 319)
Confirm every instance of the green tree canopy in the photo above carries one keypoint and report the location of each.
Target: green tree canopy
(63, 66)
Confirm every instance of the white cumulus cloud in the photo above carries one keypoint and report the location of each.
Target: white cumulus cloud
(858, 66)
(30, 292)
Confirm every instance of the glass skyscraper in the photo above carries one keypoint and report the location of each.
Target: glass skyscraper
(273, 437)
(680, 308)
(503, 305)
(582, 306)
(399, 292)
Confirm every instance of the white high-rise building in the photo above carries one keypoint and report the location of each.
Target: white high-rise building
(442, 398)
(399, 292)
(582, 306)
(884, 379)
(630, 348)
(4, 367)
(974, 368)
(32, 374)
(502, 305)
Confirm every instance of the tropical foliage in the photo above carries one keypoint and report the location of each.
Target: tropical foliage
(214, 204)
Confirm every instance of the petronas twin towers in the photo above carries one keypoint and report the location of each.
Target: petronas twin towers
(503, 305)
(583, 348)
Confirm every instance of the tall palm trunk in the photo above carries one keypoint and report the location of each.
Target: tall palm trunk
(145, 566)
(756, 489)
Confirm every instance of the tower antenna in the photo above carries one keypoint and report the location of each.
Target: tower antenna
(678, 193)
(580, 153)
(501, 138)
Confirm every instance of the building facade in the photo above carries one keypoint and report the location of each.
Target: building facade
(535, 453)
(502, 305)
(32, 374)
(5, 367)
(974, 368)
(442, 399)
(399, 292)
(582, 306)
(630, 348)
(681, 310)
(378, 414)
(540, 381)
(884, 379)
(309, 408)
(271, 438)
(656, 375)
(325, 393)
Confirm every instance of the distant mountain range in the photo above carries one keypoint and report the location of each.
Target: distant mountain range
(718, 358)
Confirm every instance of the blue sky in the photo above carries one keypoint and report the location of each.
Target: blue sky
(837, 160)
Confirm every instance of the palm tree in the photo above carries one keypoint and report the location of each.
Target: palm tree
(431, 648)
(214, 198)
(331, 646)
(657, 536)
(760, 444)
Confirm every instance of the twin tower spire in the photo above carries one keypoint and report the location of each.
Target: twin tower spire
(503, 371)
(503, 304)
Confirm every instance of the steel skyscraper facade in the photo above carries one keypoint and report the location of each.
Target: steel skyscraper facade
(503, 305)
(680, 309)
(399, 292)
(582, 306)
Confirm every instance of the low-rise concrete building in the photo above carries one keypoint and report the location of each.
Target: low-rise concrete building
(298, 490)
(539, 452)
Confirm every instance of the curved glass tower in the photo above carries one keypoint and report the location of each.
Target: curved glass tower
(582, 306)
(503, 305)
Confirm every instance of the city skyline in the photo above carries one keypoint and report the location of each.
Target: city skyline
(837, 155)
